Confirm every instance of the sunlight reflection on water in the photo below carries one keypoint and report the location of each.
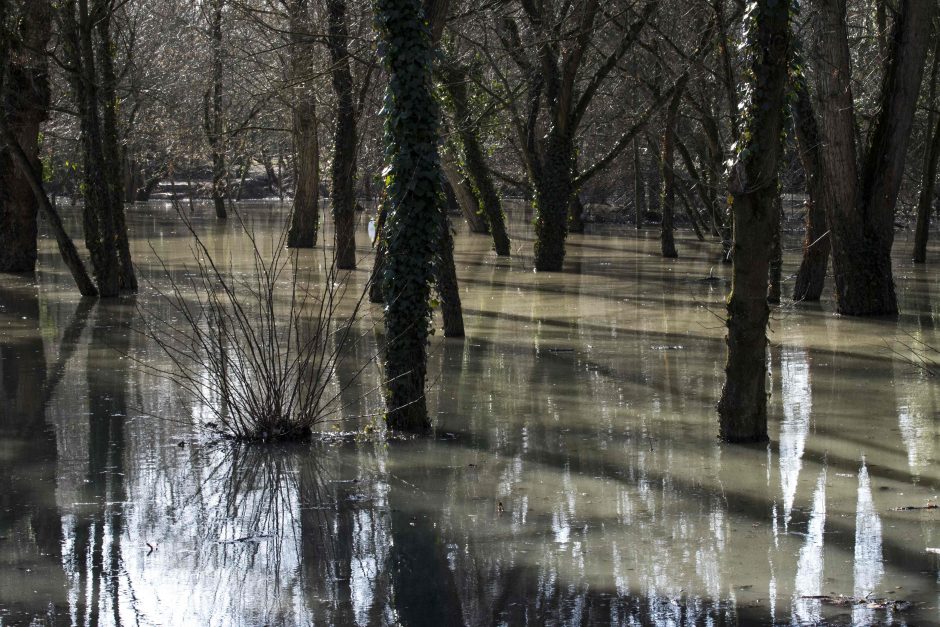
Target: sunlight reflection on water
(580, 481)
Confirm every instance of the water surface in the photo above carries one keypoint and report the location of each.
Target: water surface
(574, 476)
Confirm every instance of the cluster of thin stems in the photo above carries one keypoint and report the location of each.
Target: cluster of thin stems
(259, 368)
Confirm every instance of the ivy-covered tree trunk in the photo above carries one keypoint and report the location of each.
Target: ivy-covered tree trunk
(344, 145)
(415, 217)
(742, 410)
(455, 81)
(305, 215)
(811, 277)
(25, 106)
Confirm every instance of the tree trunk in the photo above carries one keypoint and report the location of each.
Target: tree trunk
(552, 195)
(242, 172)
(103, 213)
(455, 81)
(742, 409)
(714, 156)
(447, 287)
(111, 147)
(143, 193)
(343, 193)
(881, 24)
(775, 276)
(862, 207)
(929, 172)
(701, 189)
(34, 179)
(463, 192)
(213, 115)
(378, 244)
(305, 216)
(25, 106)
(655, 178)
(729, 81)
(668, 175)
(925, 202)
(414, 221)
(270, 174)
(639, 187)
(575, 214)
(811, 276)
(694, 218)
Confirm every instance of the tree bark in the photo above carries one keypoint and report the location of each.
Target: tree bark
(552, 195)
(466, 199)
(111, 147)
(775, 274)
(575, 214)
(213, 115)
(305, 213)
(305, 216)
(667, 172)
(639, 187)
(343, 194)
(929, 171)
(704, 194)
(414, 221)
(88, 47)
(654, 203)
(66, 247)
(455, 81)
(694, 218)
(25, 106)
(376, 295)
(862, 204)
(925, 201)
(811, 277)
(447, 286)
(729, 82)
(552, 77)
(742, 409)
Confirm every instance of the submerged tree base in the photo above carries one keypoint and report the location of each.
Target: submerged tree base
(285, 430)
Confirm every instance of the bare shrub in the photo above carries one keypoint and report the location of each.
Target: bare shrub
(256, 352)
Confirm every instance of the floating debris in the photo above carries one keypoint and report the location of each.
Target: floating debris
(872, 604)
(245, 539)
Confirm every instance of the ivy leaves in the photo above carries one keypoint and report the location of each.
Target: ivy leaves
(413, 203)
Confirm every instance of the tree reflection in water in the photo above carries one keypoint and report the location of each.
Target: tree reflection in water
(574, 477)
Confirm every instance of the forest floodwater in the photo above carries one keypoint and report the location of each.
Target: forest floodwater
(574, 476)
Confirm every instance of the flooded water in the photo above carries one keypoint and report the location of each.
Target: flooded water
(574, 478)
